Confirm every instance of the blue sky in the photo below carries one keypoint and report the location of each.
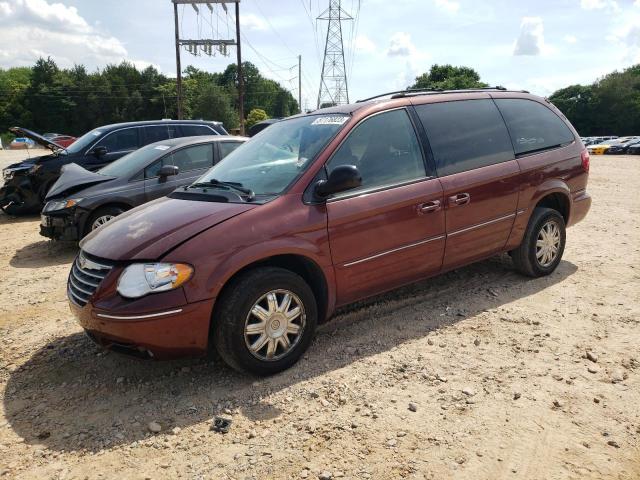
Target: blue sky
(539, 45)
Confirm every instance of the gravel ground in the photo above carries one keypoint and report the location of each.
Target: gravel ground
(479, 374)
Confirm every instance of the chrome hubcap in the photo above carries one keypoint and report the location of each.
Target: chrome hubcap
(98, 222)
(274, 325)
(548, 243)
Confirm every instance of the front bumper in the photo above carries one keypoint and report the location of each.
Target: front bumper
(63, 225)
(163, 334)
(18, 192)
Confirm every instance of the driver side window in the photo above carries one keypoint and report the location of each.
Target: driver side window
(385, 150)
(121, 140)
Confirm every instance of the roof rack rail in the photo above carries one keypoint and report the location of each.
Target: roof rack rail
(426, 91)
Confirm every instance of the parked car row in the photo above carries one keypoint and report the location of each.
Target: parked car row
(81, 200)
(616, 146)
(324, 209)
(27, 183)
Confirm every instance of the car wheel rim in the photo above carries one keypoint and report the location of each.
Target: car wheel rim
(98, 222)
(274, 325)
(548, 244)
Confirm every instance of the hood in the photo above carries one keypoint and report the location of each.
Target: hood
(150, 230)
(39, 139)
(73, 176)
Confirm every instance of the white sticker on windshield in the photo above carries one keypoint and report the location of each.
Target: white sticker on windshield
(162, 147)
(330, 120)
(95, 133)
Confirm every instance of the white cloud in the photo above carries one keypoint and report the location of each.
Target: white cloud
(611, 5)
(36, 28)
(364, 44)
(449, 6)
(531, 38)
(415, 61)
(570, 39)
(251, 21)
(400, 45)
(627, 40)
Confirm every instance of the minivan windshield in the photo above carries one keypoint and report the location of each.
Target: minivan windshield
(135, 161)
(274, 158)
(84, 141)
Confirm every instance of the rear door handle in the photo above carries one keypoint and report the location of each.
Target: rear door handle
(428, 207)
(459, 199)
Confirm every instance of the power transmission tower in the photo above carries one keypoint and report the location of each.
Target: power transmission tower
(333, 82)
(208, 46)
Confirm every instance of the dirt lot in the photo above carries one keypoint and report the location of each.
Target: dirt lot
(478, 374)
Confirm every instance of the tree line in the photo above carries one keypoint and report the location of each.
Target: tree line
(609, 106)
(47, 98)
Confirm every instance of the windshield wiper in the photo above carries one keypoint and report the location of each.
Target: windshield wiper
(228, 185)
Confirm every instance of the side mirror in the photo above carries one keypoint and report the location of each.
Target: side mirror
(99, 151)
(341, 178)
(167, 171)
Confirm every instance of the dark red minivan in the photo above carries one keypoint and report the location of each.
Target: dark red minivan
(327, 208)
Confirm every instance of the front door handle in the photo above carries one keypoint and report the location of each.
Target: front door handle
(459, 199)
(428, 207)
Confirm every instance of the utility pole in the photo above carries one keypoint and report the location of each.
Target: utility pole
(207, 46)
(178, 67)
(240, 78)
(300, 83)
(333, 81)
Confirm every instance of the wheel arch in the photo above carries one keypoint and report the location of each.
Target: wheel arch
(558, 201)
(301, 265)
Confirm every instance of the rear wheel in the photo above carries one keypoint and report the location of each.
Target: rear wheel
(543, 244)
(265, 320)
(100, 217)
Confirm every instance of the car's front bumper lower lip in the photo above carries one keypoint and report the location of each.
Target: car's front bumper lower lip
(63, 225)
(167, 333)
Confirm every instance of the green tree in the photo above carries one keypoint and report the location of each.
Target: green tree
(448, 77)
(609, 106)
(256, 115)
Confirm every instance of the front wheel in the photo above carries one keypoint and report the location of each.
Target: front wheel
(265, 321)
(543, 244)
(100, 217)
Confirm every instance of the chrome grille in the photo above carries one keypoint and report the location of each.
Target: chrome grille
(85, 276)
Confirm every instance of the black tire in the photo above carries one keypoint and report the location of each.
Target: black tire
(232, 311)
(525, 258)
(112, 211)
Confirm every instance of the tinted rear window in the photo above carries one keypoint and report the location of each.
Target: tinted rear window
(533, 127)
(465, 135)
(196, 130)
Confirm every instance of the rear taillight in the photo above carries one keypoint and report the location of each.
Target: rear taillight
(584, 156)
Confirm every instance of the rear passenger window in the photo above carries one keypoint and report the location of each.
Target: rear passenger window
(196, 130)
(227, 147)
(191, 158)
(465, 134)
(533, 126)
(160, 132)
(385, 149)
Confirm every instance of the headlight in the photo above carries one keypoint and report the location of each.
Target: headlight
(7, 174)
(141, 279)
(61, 204)
(35, 168)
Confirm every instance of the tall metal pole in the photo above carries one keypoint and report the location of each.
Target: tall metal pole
(178, 67)
(333, 80)
(300, 82)
(240, 79)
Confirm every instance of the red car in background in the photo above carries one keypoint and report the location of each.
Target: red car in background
(60, 139)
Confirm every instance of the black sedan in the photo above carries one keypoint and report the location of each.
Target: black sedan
(623, 147)
(81, 200)
(26, 183)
